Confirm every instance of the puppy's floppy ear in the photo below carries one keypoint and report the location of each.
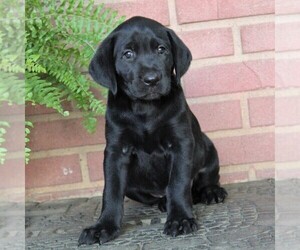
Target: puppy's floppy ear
(102, 66)
(181, 55)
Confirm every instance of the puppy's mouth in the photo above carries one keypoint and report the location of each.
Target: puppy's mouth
(149, 93)
(150, 96)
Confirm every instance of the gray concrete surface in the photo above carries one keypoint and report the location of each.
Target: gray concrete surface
(287, 214)
(244, 221)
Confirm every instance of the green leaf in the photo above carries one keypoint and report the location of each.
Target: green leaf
(3, 150)
(61, 38)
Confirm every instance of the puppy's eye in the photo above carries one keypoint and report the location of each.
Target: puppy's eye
(128, 54)
(161, 49)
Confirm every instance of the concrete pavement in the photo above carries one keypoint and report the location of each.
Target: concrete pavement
(244, 221)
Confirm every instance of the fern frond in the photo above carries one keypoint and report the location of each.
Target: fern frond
(28, 127)
(43, 92)
(61, 37)
(3, 151)
(11, 88)
(32, 64)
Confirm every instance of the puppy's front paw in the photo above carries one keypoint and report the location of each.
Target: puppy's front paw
(98, 233)
(182, 226)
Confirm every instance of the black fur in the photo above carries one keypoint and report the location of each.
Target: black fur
(155, 151)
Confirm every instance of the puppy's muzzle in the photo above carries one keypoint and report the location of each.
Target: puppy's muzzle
(151, 78)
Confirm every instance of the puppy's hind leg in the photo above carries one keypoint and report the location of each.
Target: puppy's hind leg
(206, 187)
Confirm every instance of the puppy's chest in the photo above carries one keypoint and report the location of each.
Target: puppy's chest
(149, 170)
(151, 139)
(150, 164)
(151, 149)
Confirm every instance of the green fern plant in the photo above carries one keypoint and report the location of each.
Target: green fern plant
(11, 63)
(28, 126)
(61, 37)
(3, 151)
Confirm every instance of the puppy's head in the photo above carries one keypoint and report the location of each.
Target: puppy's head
(142, 58)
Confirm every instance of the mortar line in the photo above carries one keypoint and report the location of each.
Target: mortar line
(287, 55)
(287, 129)
(245, 113)
(15, 155)
(284, 18)
(291, 165)
(53, 117)
(67, 151)
(289, 92)
(173, 15)
(252, 173)
(227, 169)
(14, 118)
(226, 23)
(230, 96)
(240, 132)
(237, 58)
(84, 168)
(237, 42)
(65, 187)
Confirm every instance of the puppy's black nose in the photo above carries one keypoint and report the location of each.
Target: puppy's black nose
(151, 78)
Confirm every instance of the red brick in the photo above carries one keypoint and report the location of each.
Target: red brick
(287, 147)
(288, 36)
(287, 111)
(218, 116)
(14, 109)
(262, 111)
(14, 137)
(239, 8)
(287, 7)
(194, 10)
(12, 173)
(229, 78)
(155, 9)
(209, 43)
(64, 133)
(95, 164)
(287, 73)
(53, 171)
(245, 149)
(258, 37)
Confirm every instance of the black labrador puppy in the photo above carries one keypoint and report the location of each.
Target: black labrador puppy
(155, 151)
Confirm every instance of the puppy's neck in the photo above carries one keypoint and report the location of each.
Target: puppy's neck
(145, 108)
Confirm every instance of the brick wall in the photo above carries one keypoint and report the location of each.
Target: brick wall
(230, 88)
(287, 105)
